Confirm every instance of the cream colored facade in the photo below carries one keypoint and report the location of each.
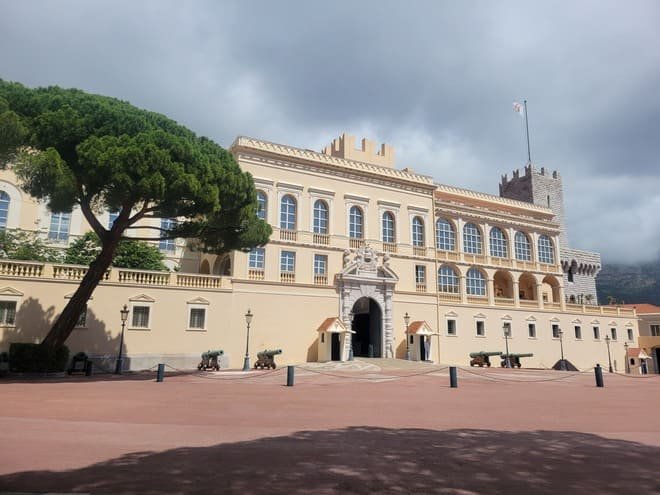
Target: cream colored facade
(355, 239)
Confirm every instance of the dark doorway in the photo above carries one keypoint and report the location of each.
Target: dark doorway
(335, 355)
(657, 359)
(422, 348)
(367, 325)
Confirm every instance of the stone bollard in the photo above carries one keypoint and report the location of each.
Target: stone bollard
(290, 375)
(599, 375)
(89, 368)
(160, 376)
(453, 377)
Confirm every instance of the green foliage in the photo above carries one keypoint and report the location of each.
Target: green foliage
(26, 246)
(33, 358)
(129, 254)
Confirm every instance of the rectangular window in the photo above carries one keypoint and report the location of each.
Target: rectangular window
(655, 330)
(630, 334)
(420, 274)
(531, 328)
(7, 312)
(82, 319)
(613, 332)
(596, 333)
(451, 327)
(506, 328)
(555, 331)
(256, 258)
(578, 332)
(167, 244)
(481, 329)
(140, 317)
(320, 264)
(59, 227)
(197, 318)
(288, 262)
(112, 216)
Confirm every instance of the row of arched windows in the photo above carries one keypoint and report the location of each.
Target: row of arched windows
(448, 281)
(499, 244)
(320, 223)
(445, 232)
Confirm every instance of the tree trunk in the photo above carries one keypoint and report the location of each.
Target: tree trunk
(66, 322)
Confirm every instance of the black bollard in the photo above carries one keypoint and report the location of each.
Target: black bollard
(453, 377)
(599, 376)
(89, 368)
(290, 375)
(160, 376)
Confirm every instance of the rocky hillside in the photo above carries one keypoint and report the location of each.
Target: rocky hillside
(630, 283)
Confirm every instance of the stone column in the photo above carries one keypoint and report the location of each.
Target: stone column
(539, 294)
(516, 294)
(490, 287)
(388, 327)
(462, 289)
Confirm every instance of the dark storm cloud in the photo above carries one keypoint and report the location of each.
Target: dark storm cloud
(435, 79)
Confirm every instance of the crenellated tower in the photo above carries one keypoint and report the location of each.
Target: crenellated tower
(544, 188)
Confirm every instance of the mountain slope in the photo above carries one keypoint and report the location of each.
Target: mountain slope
(638, 283)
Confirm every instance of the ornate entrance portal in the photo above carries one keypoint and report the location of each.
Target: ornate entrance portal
(366, 285)
(368, 328)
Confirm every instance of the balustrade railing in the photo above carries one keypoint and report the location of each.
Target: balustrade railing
(198, 281)
(287, 277)
(420, 287)
(255, 274)
(140, 277)
(419, 251)
(356, 243)
(504, 301)
(322, 239)
(389, 247)
(288, 235)
(321, 279)
(23, 269)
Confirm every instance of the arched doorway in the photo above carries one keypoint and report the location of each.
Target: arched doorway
(368, 327)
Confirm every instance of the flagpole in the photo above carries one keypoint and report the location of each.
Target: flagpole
(529, 154)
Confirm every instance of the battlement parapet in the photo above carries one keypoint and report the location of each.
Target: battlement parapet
(344, 147)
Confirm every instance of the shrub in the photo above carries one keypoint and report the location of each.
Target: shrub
(31, 358)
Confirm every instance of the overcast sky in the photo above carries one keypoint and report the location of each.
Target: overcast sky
(435, 79)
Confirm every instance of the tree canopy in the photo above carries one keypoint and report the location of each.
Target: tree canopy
(75, 149)
(26, 246)
(139, 255)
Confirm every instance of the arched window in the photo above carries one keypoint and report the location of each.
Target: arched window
(498, 244)
(546, 250)
(445, 237)
(471, 239)
(418, 232)
(288, 213)
(355, 223)
(388, 227)
(4, 209)
(475, 282)
(447, 279)
(523, 247)
(320, 217)
(262, 205)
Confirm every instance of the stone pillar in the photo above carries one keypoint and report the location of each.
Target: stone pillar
(388, 327)
(562, 298)
(490, 287)
(516, 294)
(462, 289)
(539, 294)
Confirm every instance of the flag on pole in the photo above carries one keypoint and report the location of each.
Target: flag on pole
(519, 108)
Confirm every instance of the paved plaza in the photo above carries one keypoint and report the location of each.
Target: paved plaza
(366, 427)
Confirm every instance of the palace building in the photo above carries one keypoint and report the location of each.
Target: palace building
(365, 259)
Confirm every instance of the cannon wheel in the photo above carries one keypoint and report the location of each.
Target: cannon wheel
(274, 365)
(488, 364)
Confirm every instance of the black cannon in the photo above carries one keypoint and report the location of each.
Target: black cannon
(78, 363)
(266, 359)
(210, 360)
(481, 358)
(514, 359)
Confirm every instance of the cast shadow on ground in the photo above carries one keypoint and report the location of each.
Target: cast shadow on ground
(33, 322)
(373, 460)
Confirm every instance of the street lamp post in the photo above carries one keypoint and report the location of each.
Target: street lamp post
(350, 337)
(609, 357)
(507, 359)
(246, 361)
(120, 360)
(406, 318)
(562, 363)
(625, 345)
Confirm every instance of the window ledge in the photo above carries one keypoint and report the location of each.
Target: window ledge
(480, 336)
(532, 338)
(195, 329)
(451, 335)
(139, 329)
